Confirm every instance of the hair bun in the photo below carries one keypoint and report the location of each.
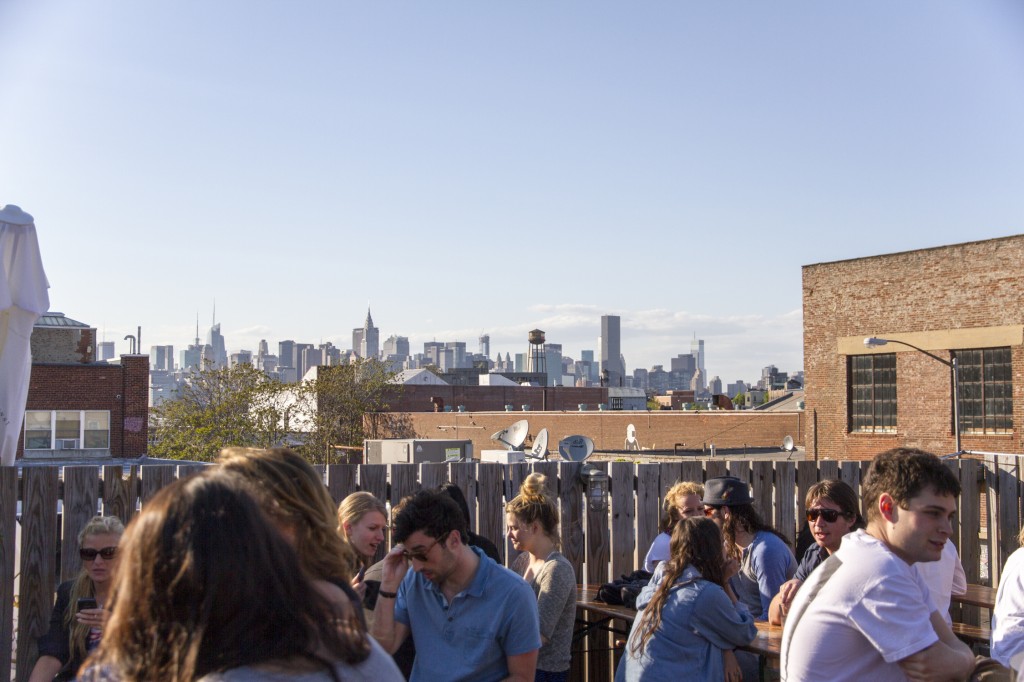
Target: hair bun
(534, 487)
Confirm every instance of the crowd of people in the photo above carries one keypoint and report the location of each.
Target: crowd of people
(249, 571)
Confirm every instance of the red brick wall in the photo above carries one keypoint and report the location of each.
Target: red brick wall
(655, 430)
(494, 398)
(964, 286)
(96, 386)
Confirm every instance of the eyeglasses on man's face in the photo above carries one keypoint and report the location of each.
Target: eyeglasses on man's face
(421, 554)
(829, 515)
(711, 511)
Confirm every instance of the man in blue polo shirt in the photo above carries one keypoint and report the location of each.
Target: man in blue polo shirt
(471, 619)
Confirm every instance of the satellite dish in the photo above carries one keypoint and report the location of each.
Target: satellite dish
(787, 444)
(540, 446)
(513, 436)
(575, 448)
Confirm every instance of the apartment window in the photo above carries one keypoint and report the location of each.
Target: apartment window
(872, 382)
(986, 390)
(67, 430)
(616, 403)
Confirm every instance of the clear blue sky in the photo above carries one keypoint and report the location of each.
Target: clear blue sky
(471, 167)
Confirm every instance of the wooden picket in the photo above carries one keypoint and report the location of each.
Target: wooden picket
(601, 538)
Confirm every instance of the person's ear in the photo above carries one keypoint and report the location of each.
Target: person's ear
(886, 506)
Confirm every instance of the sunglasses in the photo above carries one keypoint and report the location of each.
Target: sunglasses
(830, 515)
(420, 555)
(90, 554)
(710, 511)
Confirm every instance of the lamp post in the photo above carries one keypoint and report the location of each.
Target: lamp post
(874, 342)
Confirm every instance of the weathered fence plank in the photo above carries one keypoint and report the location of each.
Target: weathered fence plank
(648, 508)
(570, 503)
(403, 481)
(785, 518)
(8, 535)
(118, 494)
(433, 475)
(38, 561)
(152, 479)
(490, 503)
(81, 495)
(342, 481)
(762, 489)
(623, 526)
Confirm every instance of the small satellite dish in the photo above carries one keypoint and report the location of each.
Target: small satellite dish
(540, 446)
(787, 444)
(575, 448)
(513, 435)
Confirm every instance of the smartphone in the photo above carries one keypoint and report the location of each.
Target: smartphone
(362, 572)
(87, 603)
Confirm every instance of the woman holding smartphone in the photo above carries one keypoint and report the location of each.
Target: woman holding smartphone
(76, 623)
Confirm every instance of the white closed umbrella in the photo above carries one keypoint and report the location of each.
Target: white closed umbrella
(23, 298)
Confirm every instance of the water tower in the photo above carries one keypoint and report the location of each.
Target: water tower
(537, 359)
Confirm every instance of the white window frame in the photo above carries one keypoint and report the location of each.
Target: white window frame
(53, 431)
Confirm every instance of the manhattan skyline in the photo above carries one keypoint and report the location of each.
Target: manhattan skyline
(494, 167)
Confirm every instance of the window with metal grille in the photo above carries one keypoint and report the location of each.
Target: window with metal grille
(986, 390)
(872, 393)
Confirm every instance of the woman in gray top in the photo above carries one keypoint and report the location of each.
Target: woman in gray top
(533, 529)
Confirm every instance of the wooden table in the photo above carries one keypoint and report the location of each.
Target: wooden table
(767, 644)
(978, 595)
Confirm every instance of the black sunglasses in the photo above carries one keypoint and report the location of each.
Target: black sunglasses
(90, 554)
(830, 515)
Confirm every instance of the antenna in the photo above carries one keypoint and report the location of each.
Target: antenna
(513, 435)
(540, 446)
(575, 448)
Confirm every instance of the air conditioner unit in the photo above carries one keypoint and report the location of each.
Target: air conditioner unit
(68, 444)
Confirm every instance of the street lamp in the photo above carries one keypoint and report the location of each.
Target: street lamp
(874, 342)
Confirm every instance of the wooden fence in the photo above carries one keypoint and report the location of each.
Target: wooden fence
(601, 544)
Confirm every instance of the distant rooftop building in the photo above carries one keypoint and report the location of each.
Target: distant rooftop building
(418, 377)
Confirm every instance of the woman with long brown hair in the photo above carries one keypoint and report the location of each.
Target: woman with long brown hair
(208, 589)
(76, 624)
(689, 613)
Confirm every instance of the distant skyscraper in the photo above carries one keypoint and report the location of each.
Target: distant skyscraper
(697, 351)
(612, 370)
(161, 358)
(218, 353)
(105, 350)
(242, 357)
(301, 359)
(369, 339)
(485, 345)
(397, 346)
(285, 353)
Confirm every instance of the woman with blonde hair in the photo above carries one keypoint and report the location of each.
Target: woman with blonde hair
(682, 501)
(76, 624)
(362, 519)
(294, 497)
(533, 529)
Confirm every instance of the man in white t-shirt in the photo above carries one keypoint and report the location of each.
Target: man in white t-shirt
(864, 614)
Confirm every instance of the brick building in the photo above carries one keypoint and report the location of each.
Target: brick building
(80, 408)
(964, 300)
(656, 430)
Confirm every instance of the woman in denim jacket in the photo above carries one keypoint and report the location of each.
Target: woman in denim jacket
(689, 614)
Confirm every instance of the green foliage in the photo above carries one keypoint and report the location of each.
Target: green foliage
(344, 405)
(216, 408)
(653, 404)
(740, 400)
(242, 406)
